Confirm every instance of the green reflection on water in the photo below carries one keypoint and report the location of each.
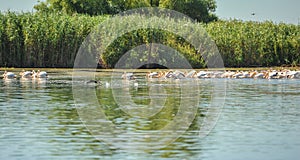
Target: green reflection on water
(182, 145)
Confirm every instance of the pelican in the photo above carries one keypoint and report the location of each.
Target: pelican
(282, 74)
(227, 74)
(271, 75)
(9, 75)
(128, 76)
(151, 74)
(238, 75)
(201, 74)
(39, 74)
(154, 74)
(242, 75)
(253, 73)
(217, 75)
(178, 75)
(293, 74)
(26, 74)
(169, 74)
(209, 74)
(190, 74)
(259, 75)
(246, 74)
(297, 74)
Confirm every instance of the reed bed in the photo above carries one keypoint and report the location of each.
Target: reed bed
(246, 44)
(53, 39)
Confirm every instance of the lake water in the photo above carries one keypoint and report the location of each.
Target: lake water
(46, 119)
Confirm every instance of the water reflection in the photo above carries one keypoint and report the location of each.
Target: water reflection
(142, 126)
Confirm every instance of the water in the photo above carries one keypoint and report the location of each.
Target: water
(260, 119)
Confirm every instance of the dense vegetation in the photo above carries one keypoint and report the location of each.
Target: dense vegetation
(42, 40)
(53, 39)
(244, 44)
(200, 10)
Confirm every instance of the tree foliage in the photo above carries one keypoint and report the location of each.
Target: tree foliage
(200, 10)
(91, 7)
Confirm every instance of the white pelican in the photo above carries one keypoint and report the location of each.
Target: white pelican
(246, 74)
(178, 75)
(26, 74)
(259, 75)
(282, 74)
(190, 74)
(9, 75)
(128, 76)
(154, 75)
(169, 74)
(217, 75)
(271, 75)
(293, 74)
(237, 75)
(40, 74)
(227, 74)
(201, 74)
(297, 74)
(253, 73)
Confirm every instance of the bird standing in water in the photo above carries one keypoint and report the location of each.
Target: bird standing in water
(9, 75)
(128, 76)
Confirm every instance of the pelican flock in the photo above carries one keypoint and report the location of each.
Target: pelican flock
(25, 74)
(265, 74)
(178, 74)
